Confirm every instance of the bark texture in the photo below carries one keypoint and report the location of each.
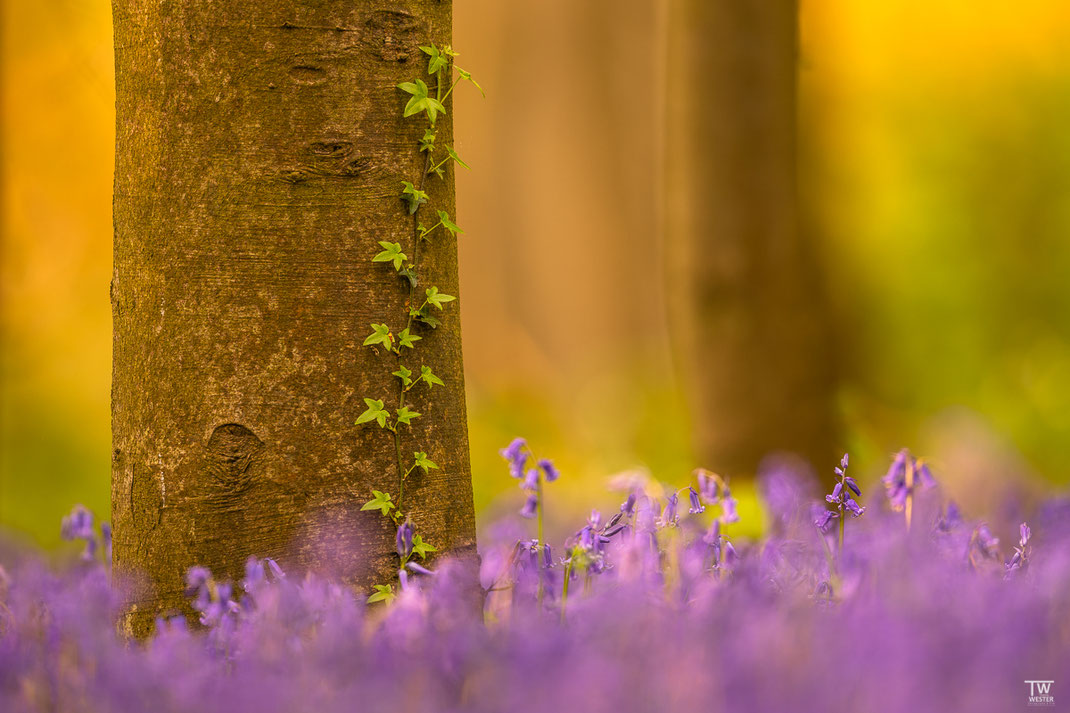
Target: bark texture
(260, 154)
(746, 312)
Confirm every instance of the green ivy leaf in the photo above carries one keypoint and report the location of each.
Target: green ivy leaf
(405, 415)
(456, 158)
(413, 196)
(404, 374)
(421, 548)
(427, 143)
(380, 501)
(447, 223)
(406, 339)
(427, 318)
(436, 298)
(375, 411)
(420, 100)
(424, 463)
(439, 60)
(380, 335)
(466, 76)
(428, 376)
(410, 275)
(383, 593)
(391, 253)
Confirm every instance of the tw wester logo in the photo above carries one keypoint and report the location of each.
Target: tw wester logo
(1040, 693)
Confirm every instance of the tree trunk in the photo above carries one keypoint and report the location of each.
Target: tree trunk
(260, 154)
(745, 305)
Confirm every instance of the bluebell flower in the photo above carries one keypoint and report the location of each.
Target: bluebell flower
(418, 568)
(403, 540)
(628, 506)
(825, 519)
(728, 506)
(531, 480)
(696, 504)
(668, 516)
(530, 506)
(515, 454)
(903, 477)
(276, 570)
(1020, 558)
(549, 470)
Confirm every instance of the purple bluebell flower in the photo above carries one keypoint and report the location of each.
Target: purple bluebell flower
(594, 519)
(729, 513)
(105, 532)
(985, 541)
(276, 570)
(403, 539)
(903, 478)
(531, 480)
(549, 469)
(418, 568)
(628, 506)
(707, 485)
(1021, 555)
(78, 525)
(951, 518)
(530, 507)
(668, 516)
(517, 457)
(841, 497)
(825, 519)
(696, 504)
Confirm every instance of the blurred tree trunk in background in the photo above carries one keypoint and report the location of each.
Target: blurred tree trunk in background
(747, 321)
(260, 153)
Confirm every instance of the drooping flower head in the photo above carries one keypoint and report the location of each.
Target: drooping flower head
(903, 477)
(403, 539)
(516, 456)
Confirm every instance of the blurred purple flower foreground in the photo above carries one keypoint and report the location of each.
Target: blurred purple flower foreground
(663, 613)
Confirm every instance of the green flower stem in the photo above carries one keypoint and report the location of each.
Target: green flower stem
(564, 588)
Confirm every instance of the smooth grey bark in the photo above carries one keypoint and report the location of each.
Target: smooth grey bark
(260, 153)
(747, 317)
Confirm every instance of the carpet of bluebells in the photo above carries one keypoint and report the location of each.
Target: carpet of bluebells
(901, 604)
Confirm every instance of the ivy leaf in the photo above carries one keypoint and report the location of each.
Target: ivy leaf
(447, 223)
(424, 463)
(421, 548)
(406, 340)
(420, 100)
(466, 76)
(427, 143)
(427, 375)
(380, 335)
(410, 275)
(383, 593)
(405, 415)
(403, 373)
(438, 59)
(437, 298)
(456, 158)
(391, 253)
(380, 501)
(413, 196)
(427, 318)
(375, 411)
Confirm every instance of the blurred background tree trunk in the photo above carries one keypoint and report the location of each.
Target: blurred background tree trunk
(260, 153)
(747, 319)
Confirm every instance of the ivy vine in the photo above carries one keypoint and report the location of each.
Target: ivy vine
(402, 343)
